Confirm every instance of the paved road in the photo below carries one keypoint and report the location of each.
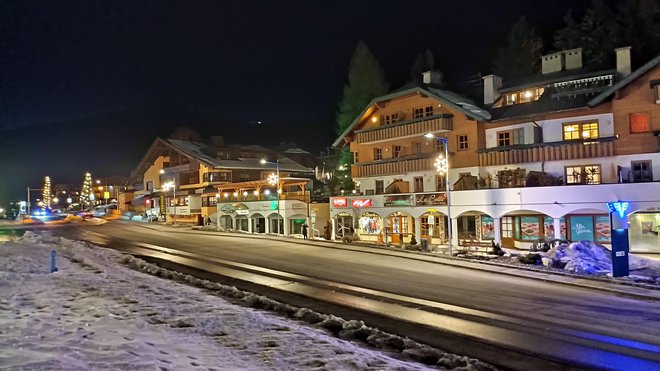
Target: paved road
(593, 311)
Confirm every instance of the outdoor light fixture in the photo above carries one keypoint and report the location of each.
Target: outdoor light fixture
(267, 192)
(245, 193)
(272, 179)
(235, 194)
(56, 200)
(217, 195)
(374, 119)
(226, 195)
(256, 193)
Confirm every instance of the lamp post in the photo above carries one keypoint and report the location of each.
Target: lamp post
(173, 185)
(442, 167)
(28, 198)
(275, 181)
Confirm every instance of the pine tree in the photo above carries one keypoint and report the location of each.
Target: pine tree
(86, 192)
(600, 35)
(521, 55)
(639, 29)
(47, 196)
(366, 80)
(424, 62)
(570, 36)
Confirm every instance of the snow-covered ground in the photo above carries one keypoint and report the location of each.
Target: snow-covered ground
(100, 312)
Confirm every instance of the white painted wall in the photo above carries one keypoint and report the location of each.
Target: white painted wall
(553, 129)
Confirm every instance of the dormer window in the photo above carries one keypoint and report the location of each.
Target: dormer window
(422, 112)
(524, 96)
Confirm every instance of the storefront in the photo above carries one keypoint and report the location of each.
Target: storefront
(644, 232)
(370, 227)
(344, 224)
(401, 227)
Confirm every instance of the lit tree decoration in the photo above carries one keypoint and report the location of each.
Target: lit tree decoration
(47, 195)
(441, 165)
(86, 192)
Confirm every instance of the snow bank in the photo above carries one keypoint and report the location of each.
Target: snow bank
(98, 312)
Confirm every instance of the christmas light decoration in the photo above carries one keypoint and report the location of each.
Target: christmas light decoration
(86, 195)
(47, 195)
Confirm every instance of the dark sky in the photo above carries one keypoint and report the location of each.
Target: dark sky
(87, 85)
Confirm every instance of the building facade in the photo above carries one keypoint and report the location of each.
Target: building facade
(540, 161)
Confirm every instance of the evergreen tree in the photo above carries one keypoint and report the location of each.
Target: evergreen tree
(569, 37)
(600, 35)
(424, 62)
(521, 54)
(639, 29)
(366, 80)
(47, 195)
(86, 192)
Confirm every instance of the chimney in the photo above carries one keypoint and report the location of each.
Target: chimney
(552, 63)
(492, 84)
(432, 77)
(573, 58)
(623, 67)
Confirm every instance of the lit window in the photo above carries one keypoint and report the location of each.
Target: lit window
(462, 142)
(575, 131)
(589, 174)
(640, 123)
(524, 96)
(507, 227)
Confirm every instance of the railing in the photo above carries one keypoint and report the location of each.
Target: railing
(396, 166)
(285, 196)
(409, 128)
(540, 152)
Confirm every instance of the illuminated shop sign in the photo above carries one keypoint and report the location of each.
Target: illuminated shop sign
(618, 207)
(340, 202)
(429, 199)
(399, 200)
(361, 203)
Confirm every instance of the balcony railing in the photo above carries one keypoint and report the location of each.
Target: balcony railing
(410, 128)
(285, 196)
(394, 166)
(603, 147)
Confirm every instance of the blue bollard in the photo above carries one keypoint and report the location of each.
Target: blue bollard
(53, 261)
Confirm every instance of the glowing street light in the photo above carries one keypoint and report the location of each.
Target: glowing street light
(166, 187)
(274, 179)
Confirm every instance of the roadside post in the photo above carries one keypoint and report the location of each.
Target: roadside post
(620, 242)
(53, 261)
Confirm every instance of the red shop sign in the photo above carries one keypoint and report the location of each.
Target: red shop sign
(340, 202)
(362, 203)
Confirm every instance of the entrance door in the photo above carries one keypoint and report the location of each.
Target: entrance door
(344, 225)
(467, 227)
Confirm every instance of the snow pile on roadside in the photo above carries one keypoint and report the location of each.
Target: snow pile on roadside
(586, 257)
(97, 312)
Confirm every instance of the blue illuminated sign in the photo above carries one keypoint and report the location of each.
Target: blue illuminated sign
(619, 207)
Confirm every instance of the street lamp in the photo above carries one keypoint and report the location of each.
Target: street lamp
(442, 167)
(275, 180)
(166, 186)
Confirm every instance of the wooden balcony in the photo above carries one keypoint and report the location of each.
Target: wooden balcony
(396, 166)
(556, 151)
(410, 128)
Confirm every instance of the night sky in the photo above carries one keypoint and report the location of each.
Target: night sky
(88, 85)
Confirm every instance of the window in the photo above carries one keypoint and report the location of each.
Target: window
(150, 185)
(503, 138)
(589, 174)
(417, 148)
(440, 183)
(209, 201)
(244, 177)
(355, 157)
(656, 91)
(396, 151)
(508, 178)
(378, 154)
(507, 227)
(518, 136)
(422, 111)
(524, 96)
(380, 188)
(389, 119)
(575, 131)
(438, 146)
(419, 184)
(642, 171)
(217, 176)
(462, 142)
(640, 123)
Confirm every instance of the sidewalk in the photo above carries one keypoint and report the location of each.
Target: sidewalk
(621, 286)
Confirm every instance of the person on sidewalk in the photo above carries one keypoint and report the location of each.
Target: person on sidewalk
(304, 231)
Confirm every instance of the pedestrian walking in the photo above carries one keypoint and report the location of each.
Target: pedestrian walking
(304, 231)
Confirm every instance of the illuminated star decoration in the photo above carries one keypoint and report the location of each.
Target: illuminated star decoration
(441, 164)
